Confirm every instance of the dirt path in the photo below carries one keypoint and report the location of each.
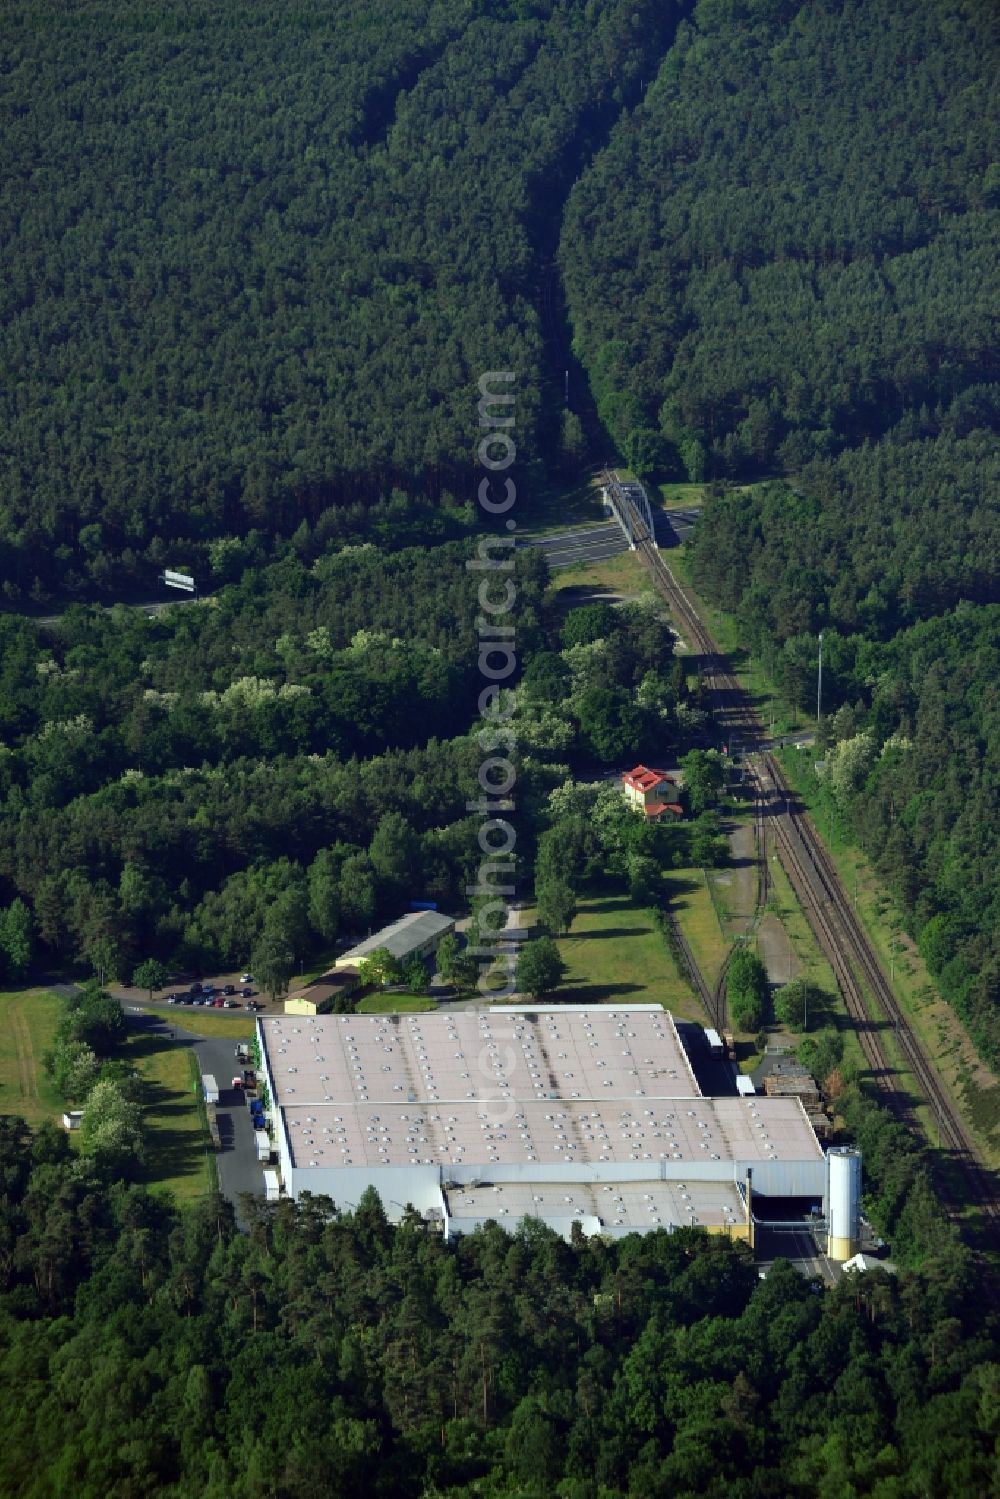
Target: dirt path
(735, 888)
(775, 952)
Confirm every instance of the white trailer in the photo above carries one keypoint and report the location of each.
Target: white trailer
(262, 1140)
(714, 1042)
(744, 1085)
(210, 1088)
(272, 1186)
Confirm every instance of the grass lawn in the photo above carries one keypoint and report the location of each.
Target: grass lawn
(677, 496)
(177, 1158)
(28, 1020)
(931, 1018)
(808, 963)
(614, 954)
(692, 904)
(238, 1023)
(395, 1004)
(172, 1110)
(623, 574)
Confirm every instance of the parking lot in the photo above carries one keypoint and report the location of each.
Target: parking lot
(209, 995)
(229, 993)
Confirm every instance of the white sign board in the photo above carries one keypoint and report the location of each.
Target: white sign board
(178, 580)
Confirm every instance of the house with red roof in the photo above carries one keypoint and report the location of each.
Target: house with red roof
(651, 792)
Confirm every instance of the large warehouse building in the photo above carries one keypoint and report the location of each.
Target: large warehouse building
(570, 1113)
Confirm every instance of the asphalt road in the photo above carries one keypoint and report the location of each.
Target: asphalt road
(238, 1167)
(587, 544)
(716, 1076)
(796, 1244)
(606, 539)
(679, 522)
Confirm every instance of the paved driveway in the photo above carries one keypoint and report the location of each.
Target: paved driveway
(239, 1169)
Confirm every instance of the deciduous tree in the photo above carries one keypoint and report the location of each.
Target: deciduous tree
(540, 969)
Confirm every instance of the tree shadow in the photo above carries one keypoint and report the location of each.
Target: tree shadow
(150, 1044)
(163, 1100)
(605, 904)
(615, 931)
(170, 1151)
(595, 993)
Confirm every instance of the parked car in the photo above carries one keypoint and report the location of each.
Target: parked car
(246, 978)
(252, 1004)
(171, 999)
(218, 1002)
(231, 1004)
(246, 993)
(229, 989)
(238, 1083)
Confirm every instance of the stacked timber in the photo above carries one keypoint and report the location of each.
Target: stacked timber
(794, 1085)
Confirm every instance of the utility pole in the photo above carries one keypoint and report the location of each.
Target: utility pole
(819, 683)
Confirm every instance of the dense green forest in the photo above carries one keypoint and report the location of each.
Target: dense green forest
(802, 279)
(166, 780)
(259, 257)
(147, 1351)
(294, 755)
(790, 246)
(911, 743)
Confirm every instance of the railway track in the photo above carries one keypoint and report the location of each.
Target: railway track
(710, 998)
(867, 992)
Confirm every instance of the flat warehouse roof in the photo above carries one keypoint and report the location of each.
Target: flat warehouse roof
(691, 1130)
(626, 1205)
(595, 1087)
(472, 1056)
(402, 937)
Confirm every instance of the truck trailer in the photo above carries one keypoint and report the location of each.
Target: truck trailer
(272, 1186)
(210, 1088)
(262, 1140)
